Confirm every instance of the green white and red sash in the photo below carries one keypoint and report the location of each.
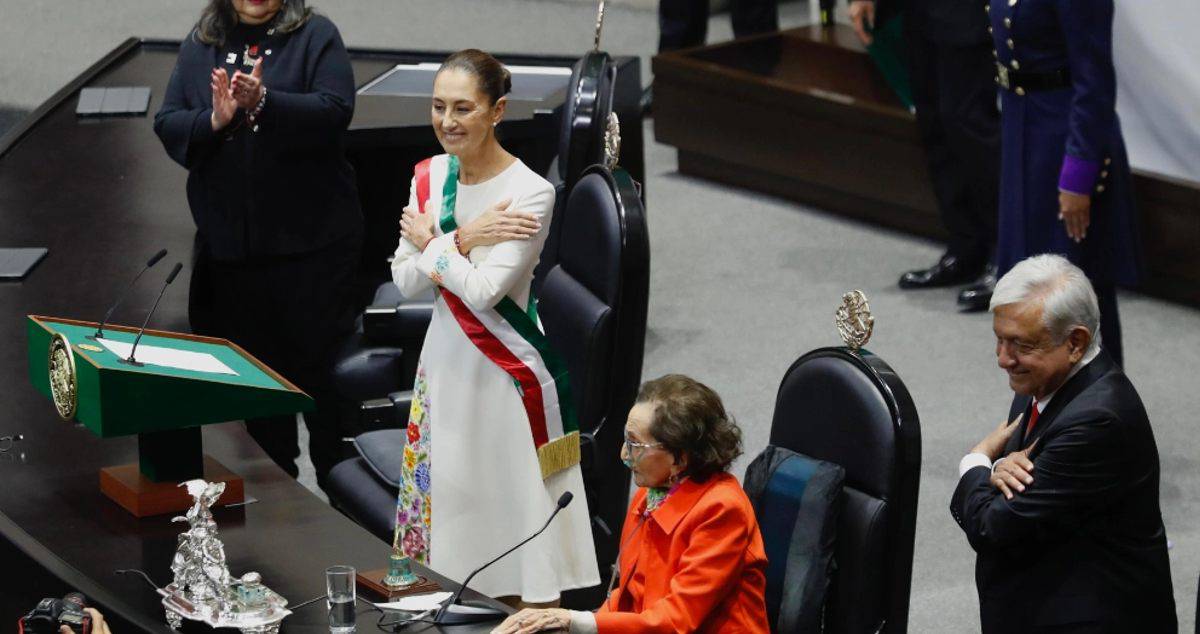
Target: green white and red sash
(511, 338)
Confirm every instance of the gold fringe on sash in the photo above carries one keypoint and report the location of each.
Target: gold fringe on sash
(559, 454)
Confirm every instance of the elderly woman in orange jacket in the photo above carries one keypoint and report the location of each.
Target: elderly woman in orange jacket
(692, 558)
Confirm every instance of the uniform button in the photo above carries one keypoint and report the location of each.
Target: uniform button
(1009, 42)
(987, 8)
(1012, 3)
(997, 78)
(995, 54)
(990, 31)
(1103, 173)
(1015, 65)
(1008, 23)
(1100, 188)
(1108, 161)
(1020, 91)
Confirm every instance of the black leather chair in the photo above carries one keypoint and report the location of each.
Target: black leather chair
(850, 408)
(380, 359)
(593, 307)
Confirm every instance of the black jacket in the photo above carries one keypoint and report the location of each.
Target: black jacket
(1084, 544)
(953, 22)
(286, 188)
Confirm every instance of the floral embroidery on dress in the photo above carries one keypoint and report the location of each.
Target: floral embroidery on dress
(413, 503)
(439, 267)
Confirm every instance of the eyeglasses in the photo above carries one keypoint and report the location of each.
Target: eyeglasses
(638, 449)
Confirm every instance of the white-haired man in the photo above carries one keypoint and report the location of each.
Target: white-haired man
(1066, 525)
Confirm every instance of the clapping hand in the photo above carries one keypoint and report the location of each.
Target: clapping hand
(223, 104)
(248, 89)
(416, 227)
(1075, 211)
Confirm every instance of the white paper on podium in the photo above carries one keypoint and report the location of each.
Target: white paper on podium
(416, 602)
(169, 358)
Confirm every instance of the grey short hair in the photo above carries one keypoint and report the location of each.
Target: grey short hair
(1068, 299)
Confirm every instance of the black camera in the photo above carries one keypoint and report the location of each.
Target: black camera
(51, 614)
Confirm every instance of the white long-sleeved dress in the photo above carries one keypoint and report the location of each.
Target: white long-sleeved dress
(472, 485)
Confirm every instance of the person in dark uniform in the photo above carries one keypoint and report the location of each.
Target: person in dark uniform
(1066, 185)
(948, 48)
(684, 24)
(255, 110)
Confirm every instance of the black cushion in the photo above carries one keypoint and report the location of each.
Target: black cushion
(355, 489)
(578, 325)
(594, 238)
(859, 600)
(383, 451)
(796, 500)
(364, 372)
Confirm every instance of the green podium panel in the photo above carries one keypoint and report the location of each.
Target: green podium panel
(115, 398)
(175, 384)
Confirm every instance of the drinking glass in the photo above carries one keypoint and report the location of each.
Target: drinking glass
(339, 591)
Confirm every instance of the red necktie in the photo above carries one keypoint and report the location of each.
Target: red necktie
(1033, 416)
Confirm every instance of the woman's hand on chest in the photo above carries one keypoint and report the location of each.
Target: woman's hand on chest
(499, 223)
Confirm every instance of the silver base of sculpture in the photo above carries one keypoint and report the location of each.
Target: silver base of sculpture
(203, 589)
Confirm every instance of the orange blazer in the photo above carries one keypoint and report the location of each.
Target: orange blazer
(696, 565)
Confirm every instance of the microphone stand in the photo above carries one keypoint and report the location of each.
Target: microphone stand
(151, 262)
(142, 331)
(480, 612)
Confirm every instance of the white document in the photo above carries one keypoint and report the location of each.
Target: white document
(416, 602)
(169, 358)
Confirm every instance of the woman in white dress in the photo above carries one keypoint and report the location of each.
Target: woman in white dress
(492, 443)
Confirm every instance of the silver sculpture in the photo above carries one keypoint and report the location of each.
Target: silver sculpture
(203, 589)
(854, 321)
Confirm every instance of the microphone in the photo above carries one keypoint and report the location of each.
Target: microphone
(149, 263)
(478, 612)
(170, 278)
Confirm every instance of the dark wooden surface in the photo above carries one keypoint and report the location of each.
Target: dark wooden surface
(103, 197)
(804, 114)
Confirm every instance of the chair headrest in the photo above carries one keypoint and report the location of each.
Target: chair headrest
(585, 115)
(832, 407)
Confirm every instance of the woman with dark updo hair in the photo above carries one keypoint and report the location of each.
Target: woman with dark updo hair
(692, 558)
(492, 439)
(255, 110)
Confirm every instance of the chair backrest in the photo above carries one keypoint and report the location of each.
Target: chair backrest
(585, 112)
(851, 409)
(593, 304)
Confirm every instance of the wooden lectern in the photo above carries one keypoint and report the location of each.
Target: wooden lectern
(164, 399)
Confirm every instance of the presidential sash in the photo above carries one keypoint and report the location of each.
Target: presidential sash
(512, 339)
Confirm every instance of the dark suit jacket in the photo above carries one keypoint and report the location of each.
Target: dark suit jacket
(1083, 546)
(953, 22)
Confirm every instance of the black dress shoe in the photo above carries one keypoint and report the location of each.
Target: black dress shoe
(977, 296)
(948, 271)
